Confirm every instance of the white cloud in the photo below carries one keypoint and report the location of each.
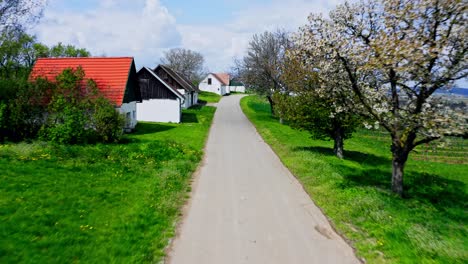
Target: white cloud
(145, 28)
(111, 30)
(221, 43)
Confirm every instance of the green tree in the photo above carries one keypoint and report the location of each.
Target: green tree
(25, 108)
(61, 50)
(313, 104)
(15, 52)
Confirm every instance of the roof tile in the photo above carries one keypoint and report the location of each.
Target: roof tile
(222, 77)
(110, 74)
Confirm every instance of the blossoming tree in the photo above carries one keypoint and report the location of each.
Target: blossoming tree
(316, 101)
(396, 54)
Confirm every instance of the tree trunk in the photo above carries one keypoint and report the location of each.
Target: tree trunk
(400, 156)
(272, 105)
(338, 146)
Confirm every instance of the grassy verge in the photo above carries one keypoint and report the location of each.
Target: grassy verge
(207, 97)
(429, 226)
(113, 203)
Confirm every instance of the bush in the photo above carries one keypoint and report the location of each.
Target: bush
(23, 108)
(68, 111)
(107, 122)
(78, 113)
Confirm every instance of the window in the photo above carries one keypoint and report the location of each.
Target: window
(209, 81)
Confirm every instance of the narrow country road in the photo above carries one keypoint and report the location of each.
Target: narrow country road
(248, 208)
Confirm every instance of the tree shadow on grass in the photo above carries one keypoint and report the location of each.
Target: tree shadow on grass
(375, 171)
(189, 118)
(198, 106)
(150, 128)
(355, 156)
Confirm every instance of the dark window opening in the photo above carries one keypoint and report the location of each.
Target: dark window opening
(128, 120)
(209, 81)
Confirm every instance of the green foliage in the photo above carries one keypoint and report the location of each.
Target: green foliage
(428, 226)
(316, 115)
(107, 122)
(77, 113)
(67, 111)
(24, 110)
(19, 51)
(61, 50)
(15, 53)
(8, 89)
(3, 117)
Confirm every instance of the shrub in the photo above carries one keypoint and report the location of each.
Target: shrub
(22, 111)
(78, 113)
(107, 122)
(68, 111)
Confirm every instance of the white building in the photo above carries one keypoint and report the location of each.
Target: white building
(220, 83)
(178, 82)
(236, 86)
(160, 102)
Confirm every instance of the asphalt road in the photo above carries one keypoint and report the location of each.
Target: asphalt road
(246, 207)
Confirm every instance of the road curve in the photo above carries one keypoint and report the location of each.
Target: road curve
(246, 207)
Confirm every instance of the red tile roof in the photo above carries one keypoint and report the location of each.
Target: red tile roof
(222, 77)
(110, 74)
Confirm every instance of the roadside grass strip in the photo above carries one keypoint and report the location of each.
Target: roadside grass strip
(208, 97)
(428, 226)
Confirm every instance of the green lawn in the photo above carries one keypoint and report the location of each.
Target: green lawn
(428, 226)
(207, 97)
(115, 203)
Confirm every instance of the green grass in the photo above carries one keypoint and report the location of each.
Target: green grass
(114, 203)
(208, 97)
(427, 226)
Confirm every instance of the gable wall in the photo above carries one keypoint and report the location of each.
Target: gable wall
(215, 87)
(132, 90)
(168, 79)
(153, 88)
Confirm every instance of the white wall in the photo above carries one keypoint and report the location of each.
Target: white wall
(188, 99)
(228, 89)
(159, 110)
(215, 87)
(239, 89)
(129, 110)
(223, 90)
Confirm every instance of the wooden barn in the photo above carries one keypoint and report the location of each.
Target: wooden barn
(180, 83)
(160, 101)
(116, 79)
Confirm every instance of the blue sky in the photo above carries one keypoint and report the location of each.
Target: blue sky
(144, 29)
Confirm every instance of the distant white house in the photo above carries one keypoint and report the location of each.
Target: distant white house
(160, 101)
(220, 83)
(236, 86)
